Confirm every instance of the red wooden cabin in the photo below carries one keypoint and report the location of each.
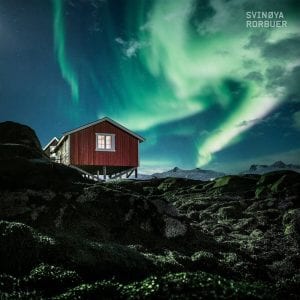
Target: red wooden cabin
(102, 147)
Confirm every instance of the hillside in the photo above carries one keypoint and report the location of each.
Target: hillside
(63, 237)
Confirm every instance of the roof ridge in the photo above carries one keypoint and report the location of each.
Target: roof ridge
(103, 120)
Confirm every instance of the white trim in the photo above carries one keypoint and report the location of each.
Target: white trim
(140, 138)
(113, 142)
(53, 139)
(60, 141)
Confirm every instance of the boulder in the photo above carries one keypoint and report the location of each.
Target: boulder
(15, 133)
(278, 183)
(21, 247)
(232, 185)
(23, 163)
(19, 172)
(291, 223)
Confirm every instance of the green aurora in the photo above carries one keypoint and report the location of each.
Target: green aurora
(59, 31)
(180, 58)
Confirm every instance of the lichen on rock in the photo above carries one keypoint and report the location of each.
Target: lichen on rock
(174, 228)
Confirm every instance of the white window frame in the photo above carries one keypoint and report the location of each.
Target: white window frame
(113, 144)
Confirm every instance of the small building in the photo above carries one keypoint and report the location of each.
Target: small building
(103, 147)
(50, 147)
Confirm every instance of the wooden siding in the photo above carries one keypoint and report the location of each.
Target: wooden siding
(63, 152)
(83, 147)
(47, 150)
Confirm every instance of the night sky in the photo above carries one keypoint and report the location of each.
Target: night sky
(188, 75)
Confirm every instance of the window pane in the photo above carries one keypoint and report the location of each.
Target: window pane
(101, 142)
(108, 142)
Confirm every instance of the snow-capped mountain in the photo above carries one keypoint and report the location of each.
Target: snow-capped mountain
(196, 174)
(278, 165)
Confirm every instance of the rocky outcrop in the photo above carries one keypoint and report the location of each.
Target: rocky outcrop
(23, 163)
(12, 133)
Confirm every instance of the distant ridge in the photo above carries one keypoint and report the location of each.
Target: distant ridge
(278, 165)
(195, 174)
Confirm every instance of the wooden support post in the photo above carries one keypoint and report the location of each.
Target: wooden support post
(104, 172)
(98, 175)
(135, 173)
(128, 174)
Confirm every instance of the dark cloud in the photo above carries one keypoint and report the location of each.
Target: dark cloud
(284, 49)
(256, 76)
(201, 12)
(257, 40)
(292, 84)
(277, 77)
(296, 118)
(275, 71)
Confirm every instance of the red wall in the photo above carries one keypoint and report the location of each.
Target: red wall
(83, 145)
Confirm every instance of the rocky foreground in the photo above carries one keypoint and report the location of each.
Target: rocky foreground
(62, 237)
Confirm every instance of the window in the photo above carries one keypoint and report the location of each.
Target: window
(52, 148)
(105, 142)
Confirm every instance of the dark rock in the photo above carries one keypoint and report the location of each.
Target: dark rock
(229, 212)
(24, 165)
(15, 133)
(173, 183)
(52, 279)
(204, 260)
(233, 185)
(197, 285)
(284, 183)
(36, 174)
(20, 247)
(291, 223)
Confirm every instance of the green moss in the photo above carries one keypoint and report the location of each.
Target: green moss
(291, 223)
(164, 263)
(260, 191)
(198, 285)
(99, 290)
(51, 279)
(232, 184)
(8, 283)
(173, 183)
(222, 181)
(277, 183)
(21, 247)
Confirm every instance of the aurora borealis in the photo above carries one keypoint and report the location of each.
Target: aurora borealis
(59, 44)
(188, 75)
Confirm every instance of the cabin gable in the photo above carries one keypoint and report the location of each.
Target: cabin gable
(84, 150)
(49, 149)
